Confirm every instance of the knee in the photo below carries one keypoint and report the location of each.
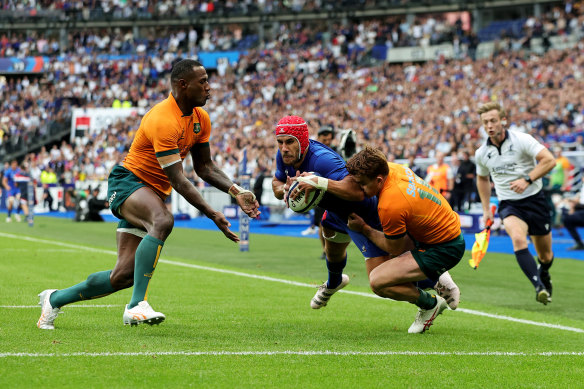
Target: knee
(162, 224)
(378, 284)
(122, 279)
(519, 241)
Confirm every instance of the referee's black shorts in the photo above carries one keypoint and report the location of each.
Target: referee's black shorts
(533, 210)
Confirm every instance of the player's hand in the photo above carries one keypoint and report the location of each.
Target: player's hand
(519, 186)
(356, 223)
(245, 199)
(287, 185)
(224, 224)
(248, 204)
(313, 181)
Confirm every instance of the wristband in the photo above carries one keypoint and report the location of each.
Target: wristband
(321, 182)
(236, 190)
(528, 179)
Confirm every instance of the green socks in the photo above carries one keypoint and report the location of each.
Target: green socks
(426, 300)
(99, 285)
(147, 255)
(95, 286)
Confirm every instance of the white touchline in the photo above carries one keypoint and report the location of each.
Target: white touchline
(70, 306)
(265, 278)
(307, 353)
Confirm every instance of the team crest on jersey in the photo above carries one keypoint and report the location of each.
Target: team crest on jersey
(197, 128)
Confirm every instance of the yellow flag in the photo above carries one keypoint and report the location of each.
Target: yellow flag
(479, 248)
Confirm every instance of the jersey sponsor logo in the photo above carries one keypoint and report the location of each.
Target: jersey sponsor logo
(112, 197)
(411, 190)
(197, 128)
(505, 169)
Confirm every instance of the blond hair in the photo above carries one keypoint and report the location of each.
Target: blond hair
(491, 106)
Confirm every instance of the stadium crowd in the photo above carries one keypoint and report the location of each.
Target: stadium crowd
(404, 110)
(149, 9)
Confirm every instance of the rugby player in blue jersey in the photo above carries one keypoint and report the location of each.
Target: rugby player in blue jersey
(12, 191)
(298, 154)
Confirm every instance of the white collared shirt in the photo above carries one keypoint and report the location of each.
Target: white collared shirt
(513, 160)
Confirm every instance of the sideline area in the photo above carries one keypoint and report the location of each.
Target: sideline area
(499, 244)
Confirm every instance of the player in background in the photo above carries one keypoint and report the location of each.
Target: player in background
(517, 162)
(21, 180)
(410, 210)
(298, 154)
(12, 191)
(137, 190)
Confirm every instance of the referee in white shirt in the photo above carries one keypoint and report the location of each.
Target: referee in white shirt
(516, 162)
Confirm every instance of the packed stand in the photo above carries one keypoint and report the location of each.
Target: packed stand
(405, 110)
(148, 9)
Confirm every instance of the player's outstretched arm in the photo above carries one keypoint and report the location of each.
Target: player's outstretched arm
(211, 174)
(346, 189)
(186, 189)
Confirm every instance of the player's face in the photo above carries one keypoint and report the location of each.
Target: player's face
(492, 124)
(370, 187)
(289, 148)
(198, 88)
(326, 139)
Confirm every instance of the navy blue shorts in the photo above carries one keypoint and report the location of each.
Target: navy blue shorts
(533, 210)
(13, 192)
(368, 248)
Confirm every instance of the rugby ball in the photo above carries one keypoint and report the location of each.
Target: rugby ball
(298, 204)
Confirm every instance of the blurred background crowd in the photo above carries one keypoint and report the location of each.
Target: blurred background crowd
(333, 72)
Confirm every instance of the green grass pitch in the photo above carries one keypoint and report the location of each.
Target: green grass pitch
(243, 320)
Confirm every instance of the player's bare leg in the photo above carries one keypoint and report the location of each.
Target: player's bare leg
(336, 258)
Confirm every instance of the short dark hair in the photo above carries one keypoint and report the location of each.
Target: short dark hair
(369, 162)
(183, 68)
(324, 130)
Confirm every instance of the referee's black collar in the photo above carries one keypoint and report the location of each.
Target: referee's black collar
(489, 143)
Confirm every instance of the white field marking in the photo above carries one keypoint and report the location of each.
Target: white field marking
(265, 278)
(43, 250)
(68, 306)
(303, 353)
